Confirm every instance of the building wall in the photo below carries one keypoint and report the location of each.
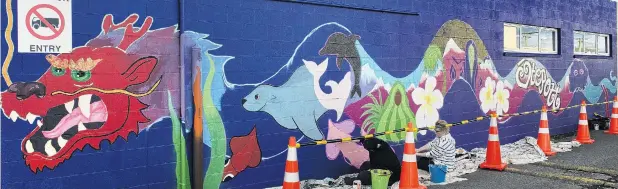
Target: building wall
(257, 72)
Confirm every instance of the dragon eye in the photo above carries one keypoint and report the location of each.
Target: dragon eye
(256, 97)
(58, 71)
(80, 76)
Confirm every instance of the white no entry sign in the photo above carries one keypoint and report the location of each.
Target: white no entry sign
(44, 26)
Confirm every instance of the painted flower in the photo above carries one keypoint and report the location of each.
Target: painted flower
(502, 98)
(353, 153)
(430, 100)
(488, 100)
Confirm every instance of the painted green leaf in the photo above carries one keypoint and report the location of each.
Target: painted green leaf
(471, 59)
(373, 111)
(182, 163)
(218, 139)
(430, 59)
(396, 115)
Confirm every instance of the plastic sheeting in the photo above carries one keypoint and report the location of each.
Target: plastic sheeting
(524, 151)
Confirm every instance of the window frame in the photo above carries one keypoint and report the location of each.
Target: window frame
(596, 43)
(519, 39)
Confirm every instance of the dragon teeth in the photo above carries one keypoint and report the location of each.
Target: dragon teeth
(69, 106)
(84, 104)
(81, 127)
(31, 117)
(29, 147)
(13, 116)
(49, 149)
(61, 141)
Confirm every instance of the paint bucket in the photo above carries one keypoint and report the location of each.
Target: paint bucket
(438, 173)
(380, 178)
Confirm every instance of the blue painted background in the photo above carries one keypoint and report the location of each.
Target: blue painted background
(262, 35)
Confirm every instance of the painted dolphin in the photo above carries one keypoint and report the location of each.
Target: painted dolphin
(339, 96)
(344, 47)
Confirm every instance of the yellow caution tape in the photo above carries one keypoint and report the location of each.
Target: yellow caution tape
(322, 142)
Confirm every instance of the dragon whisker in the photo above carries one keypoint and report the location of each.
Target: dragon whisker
(114, 91)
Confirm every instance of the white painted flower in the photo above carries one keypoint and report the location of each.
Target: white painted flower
(430, 101)
(488, 100)
(502, 98)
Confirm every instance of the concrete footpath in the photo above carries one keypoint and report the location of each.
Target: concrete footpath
(588, 166)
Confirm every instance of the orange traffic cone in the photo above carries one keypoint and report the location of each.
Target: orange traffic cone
(613, 122)
(543, 140)
(409, 169)
(291, 178)
(493, 157)
(583, 133)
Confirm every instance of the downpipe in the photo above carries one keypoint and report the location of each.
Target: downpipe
(198, 147)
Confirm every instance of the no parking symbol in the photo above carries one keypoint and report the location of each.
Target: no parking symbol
(48, 26)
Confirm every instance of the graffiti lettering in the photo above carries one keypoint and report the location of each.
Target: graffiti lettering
(528, 74)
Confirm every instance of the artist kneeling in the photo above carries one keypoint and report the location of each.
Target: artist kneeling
(440, 151)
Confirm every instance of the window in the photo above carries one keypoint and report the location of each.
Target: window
(586, 43)
(530, 39)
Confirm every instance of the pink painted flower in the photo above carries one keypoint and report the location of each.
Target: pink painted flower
(353, 153)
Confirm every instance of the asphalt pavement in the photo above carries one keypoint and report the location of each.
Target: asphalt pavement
(588, 166)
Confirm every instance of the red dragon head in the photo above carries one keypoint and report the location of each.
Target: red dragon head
(82, 98)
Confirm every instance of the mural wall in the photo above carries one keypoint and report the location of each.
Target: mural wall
(208, 99)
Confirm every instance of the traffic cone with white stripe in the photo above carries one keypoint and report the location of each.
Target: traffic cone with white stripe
(409, 168)
(493, 157)
(291, 178)
(543, 140)
(583, 133)
(613, 122)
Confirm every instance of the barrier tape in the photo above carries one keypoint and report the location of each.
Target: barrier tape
(463, 122)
